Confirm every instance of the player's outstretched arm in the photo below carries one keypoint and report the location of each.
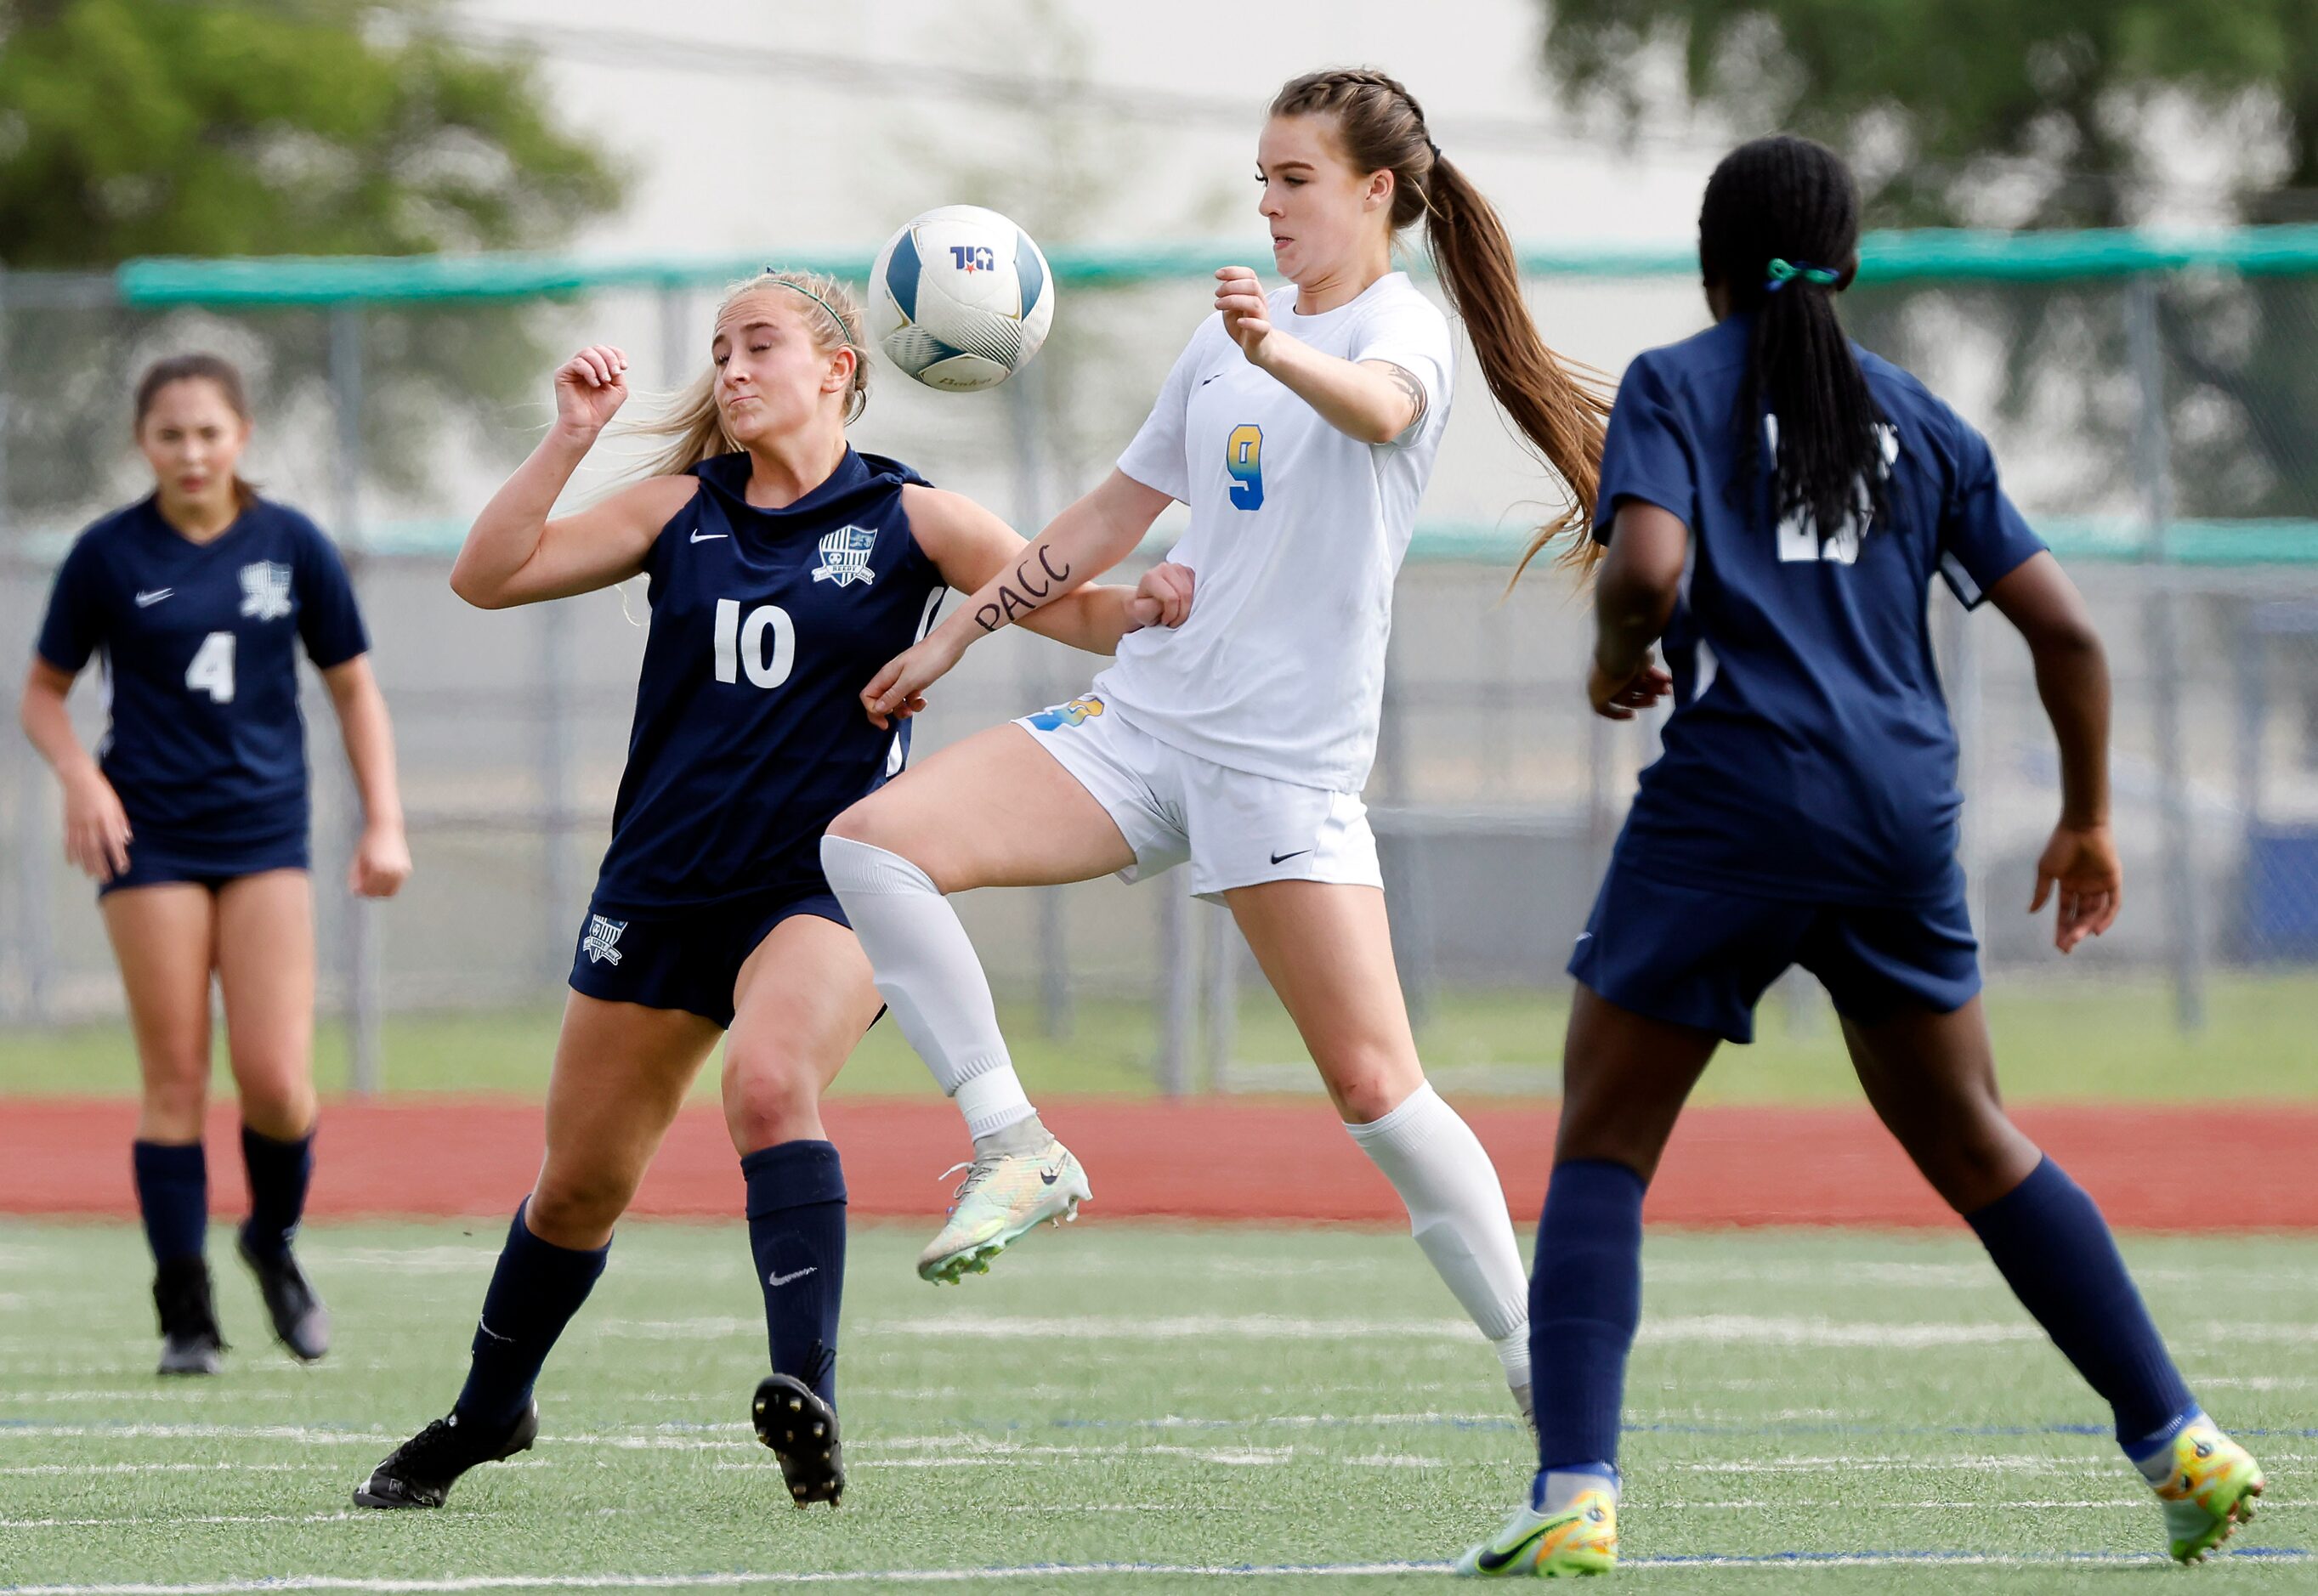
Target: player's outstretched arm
(1095, 533)
(973, 547)
(1634, 591)
(382, 861)
(96, 827)
(514, 555)
(1372, 400)
(2079, 865)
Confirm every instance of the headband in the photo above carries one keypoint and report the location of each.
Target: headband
(1783, 273)
(842, 326)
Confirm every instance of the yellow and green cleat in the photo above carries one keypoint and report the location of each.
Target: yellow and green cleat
(1003, 1196)
(1580, 1538)
(2209, 1492)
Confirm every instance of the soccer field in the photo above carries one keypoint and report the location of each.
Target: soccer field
(1131, 1408)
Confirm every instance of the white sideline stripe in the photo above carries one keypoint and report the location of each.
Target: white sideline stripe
(629, 1582)
(153, 1519)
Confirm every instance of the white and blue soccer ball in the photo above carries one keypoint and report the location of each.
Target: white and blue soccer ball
(960, 299)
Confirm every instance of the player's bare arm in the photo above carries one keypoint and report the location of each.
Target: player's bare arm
(382, 861)
(1095, 533)
(515, 554)
(96, 827)
(1373, 400)
(973, 547)
(2080, 865)
(1634, 594)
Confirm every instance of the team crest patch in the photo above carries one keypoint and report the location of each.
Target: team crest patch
(602, 945)
(845, 557)
(266, 590)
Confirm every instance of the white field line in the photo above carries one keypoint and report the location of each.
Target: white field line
(930, 1576)
(160, 1519)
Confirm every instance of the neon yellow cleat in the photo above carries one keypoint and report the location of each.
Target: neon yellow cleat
(1581, 1538)
(1001, 1198)
(2209, 1493)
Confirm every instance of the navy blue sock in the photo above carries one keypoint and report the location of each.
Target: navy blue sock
(173, 1193)
(279, 1173)
(797, 1229)
(2051, 1246)
(535, 1289)
(1585, 1301)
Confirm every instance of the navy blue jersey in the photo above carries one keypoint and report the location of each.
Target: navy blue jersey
(199, 644)
(1810, 754)
(749, 737)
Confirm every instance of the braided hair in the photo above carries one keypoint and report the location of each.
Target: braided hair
(1560, 407)
(1779, 232)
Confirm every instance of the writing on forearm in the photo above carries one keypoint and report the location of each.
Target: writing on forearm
(1023, 593)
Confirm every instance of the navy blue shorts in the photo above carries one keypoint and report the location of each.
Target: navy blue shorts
(1703, 957)
(153, 864)
(685, 958)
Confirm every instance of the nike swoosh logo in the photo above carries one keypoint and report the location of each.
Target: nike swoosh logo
(1205, 380)
(1490, 1562)
(1582, 935)
(495, 1335)
(1283, 859)
(1048, 1177)
(708, 537)
(785, 1279)
(145, 601)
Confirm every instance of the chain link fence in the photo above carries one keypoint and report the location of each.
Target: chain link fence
(2152, 404)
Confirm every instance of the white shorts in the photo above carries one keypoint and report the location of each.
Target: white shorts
(1236, 828)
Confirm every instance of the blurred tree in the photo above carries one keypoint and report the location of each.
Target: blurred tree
(2037, 113)
(1950, 110)
(268, 127)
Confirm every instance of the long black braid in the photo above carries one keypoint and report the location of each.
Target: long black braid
(1788, 200)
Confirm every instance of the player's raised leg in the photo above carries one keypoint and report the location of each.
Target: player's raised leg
(1327, 949)
(802, 1001)
(621, 1073)
(164, 937)
(265, 973)
(1624, 1079)
(1932, 1078)
(995, 810)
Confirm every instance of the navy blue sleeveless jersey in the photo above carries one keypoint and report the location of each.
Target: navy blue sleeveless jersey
(749, 736)
(198, 646)
(1810, 755)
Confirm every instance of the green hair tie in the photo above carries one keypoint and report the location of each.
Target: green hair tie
(1783, 273)
(844, 329)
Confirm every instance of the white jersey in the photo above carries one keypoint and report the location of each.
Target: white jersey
(1297, 531)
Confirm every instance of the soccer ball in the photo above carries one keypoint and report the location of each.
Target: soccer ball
(960, 299)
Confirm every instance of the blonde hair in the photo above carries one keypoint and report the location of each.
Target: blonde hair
(694, 426)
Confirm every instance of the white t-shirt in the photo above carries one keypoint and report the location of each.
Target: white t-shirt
(1297, 532)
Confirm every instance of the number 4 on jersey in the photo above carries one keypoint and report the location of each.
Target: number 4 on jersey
(211, 669)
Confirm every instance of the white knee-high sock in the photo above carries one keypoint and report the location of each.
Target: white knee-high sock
(927, 972)
(1457, 1212)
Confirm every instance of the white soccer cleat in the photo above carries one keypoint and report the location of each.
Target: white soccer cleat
(1001, 1198)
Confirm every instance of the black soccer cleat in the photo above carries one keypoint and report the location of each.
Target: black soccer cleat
(802, 1430)
(300, 1319)
(191, 1342)
(422, 1470)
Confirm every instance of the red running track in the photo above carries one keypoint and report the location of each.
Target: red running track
(1234, 1159)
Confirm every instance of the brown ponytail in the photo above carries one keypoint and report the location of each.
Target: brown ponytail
(1560, 407)
(213, 369)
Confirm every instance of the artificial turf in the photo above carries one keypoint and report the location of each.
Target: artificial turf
(1144, 1398)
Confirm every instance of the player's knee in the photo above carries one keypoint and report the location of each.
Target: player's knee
(576, 1207)
(175, 1098)
(1366, 1083)
(861, 822)
(277, 1101)
(771, 1094)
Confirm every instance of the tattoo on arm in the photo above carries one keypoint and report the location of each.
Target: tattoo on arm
(1405, 380)
(1023, 593)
